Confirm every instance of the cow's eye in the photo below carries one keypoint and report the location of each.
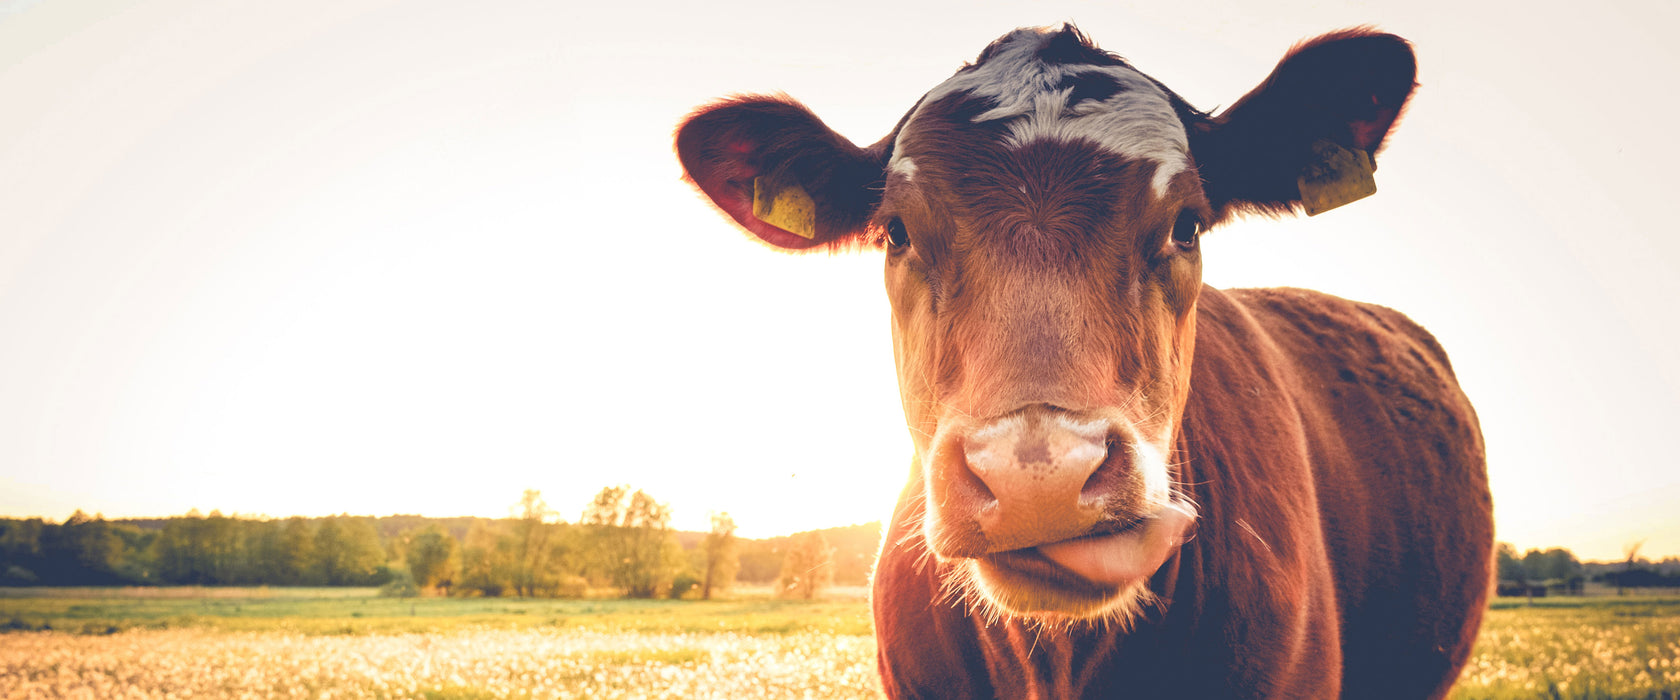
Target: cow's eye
(896, 235)
(1186, 230)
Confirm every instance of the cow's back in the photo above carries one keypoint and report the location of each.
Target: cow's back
(1401, 483)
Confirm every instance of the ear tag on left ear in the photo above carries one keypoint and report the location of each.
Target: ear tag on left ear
(1335, 176)
(789, 208)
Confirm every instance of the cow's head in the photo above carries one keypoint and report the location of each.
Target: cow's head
(1040, 214)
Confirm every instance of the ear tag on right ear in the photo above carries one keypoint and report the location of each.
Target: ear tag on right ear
(789, 208)
(1335, 176)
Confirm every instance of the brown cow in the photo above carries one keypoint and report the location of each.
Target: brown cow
(1298, 508)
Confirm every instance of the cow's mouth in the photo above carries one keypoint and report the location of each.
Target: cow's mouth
(1084, 577)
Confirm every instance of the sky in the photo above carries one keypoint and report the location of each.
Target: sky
(415, 257)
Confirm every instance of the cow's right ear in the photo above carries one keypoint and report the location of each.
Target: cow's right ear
(779, 172)
(1308, 137)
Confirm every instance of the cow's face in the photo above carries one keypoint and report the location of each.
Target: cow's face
(1040, 214)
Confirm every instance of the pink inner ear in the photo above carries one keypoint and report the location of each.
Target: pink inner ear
(730, 186)
(779, 237)
(724, 147)
(1367, 134)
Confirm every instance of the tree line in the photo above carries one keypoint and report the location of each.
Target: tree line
(622, 544)
(1537, 571)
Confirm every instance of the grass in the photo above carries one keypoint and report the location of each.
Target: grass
(318, 642)
(106, 611)
(186, 592)
(1587, 648)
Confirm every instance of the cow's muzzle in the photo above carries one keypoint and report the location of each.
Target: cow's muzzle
(1043, 490)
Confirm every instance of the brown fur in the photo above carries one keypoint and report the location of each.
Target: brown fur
(1324, 425)
(1344, 536)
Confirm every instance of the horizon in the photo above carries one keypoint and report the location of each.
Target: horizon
(263, 517)
(1643, 554)
(360, 255)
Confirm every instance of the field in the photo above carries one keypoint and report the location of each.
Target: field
(1576, 648)
(337, 643)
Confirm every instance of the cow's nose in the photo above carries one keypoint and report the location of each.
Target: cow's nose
(1043, 473)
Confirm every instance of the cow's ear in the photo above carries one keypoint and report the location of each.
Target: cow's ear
(1308, 136)
(779, 172)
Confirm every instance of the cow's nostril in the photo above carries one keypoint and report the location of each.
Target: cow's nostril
(973, 487)
(1110, 475)
(966, 489)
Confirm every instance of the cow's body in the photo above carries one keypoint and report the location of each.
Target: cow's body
(1128, 484)
(1343, 531)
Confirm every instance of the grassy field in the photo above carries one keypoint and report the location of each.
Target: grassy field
(300, 611)
(318, 643)
(1576, 648)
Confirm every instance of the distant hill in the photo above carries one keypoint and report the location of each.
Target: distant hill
(854, 546)
(389, 526)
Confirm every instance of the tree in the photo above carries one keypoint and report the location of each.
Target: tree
(296, 560)
(487, 560)
(431, 558)
(88, 550)
(631, 543)
(651, 553)
(328, 548)
(266, 554)
(761, 560)
(347, 551)
(1555, 564)
(20, 551)
(1510, 567)
(1632, 552)
(607, 508)
(1535, 563)
(533, 532)
(180, 553)
(723, 557)
(808, 568)
(220, 548)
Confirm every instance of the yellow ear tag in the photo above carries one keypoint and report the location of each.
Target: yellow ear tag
(789, 209)
(1335, 176)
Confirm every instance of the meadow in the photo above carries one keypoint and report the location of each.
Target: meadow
(348, 643)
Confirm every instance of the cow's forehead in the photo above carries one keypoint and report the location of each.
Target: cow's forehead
(1042, 91)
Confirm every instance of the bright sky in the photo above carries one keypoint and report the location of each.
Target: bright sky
(316, 257)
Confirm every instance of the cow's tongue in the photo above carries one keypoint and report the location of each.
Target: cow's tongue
(1122, 558)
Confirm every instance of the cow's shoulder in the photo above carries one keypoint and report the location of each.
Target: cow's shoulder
(1338, 345)
(1399, 468)
(1362, 371)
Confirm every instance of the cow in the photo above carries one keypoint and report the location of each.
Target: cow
(1127, 483)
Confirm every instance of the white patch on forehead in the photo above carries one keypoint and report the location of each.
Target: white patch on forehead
(903, 166)
(1137, 122)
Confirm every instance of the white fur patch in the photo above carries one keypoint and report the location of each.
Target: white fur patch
(1149, 457)
(1093, 430)
(1137, 122)
(903, 166)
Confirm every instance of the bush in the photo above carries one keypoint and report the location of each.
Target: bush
(18, 576)
(572, 587)
(486, 590)
(684, 584)
(401, 585)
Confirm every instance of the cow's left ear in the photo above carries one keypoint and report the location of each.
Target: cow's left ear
(1308, 136)
(780, 173)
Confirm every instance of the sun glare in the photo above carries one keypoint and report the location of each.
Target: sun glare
(320, 262)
